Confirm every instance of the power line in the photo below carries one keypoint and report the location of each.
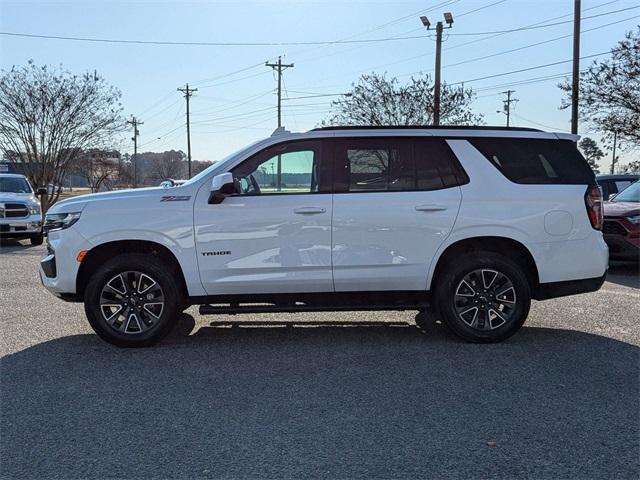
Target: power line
(280, 44)
(504, 52)
(526, 69)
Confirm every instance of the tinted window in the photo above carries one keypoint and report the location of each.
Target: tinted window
(436, 165)
(379, 169)
(395, 164)
(533, 161)
(290, 168)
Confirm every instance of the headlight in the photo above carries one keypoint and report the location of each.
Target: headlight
(635, 219)
(34, 209)
(59, 221)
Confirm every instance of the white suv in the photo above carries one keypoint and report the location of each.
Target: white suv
(471, 223)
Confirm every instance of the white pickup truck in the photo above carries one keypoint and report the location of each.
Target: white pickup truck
(20, 214)
(470, 223)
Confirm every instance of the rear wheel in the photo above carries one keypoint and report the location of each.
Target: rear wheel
(483, 297)
(133, 300)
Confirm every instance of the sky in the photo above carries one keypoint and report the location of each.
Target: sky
(235, 103)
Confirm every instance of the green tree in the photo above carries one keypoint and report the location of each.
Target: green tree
(591, 152)
(378, 100)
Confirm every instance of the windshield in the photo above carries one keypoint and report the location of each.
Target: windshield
(629, 194)
(14, 185)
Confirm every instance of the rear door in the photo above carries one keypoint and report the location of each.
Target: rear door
(395, 202)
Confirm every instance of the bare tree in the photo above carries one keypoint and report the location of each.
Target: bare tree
(48, 116)
(610, 92)
(98, 168)
(378, 100)
(170, 164)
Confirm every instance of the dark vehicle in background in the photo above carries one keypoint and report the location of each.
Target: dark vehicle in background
(614, 184)
(622, 224)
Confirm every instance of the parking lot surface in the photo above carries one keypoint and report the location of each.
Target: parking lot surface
(371, 397)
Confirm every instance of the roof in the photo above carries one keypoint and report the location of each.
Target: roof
(12, 175)
(427, 127)
(623, 176)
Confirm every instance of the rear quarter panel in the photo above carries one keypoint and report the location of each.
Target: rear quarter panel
(549, 220)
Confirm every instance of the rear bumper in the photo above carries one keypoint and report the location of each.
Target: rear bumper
(546, 291)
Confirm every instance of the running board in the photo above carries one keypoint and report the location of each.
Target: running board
(238, 309)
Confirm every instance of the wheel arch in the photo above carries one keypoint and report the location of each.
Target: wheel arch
(507, 246)
(101, 253)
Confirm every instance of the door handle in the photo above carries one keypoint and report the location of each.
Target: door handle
(309, 210)
(430, 207)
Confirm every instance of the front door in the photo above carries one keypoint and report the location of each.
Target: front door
(275, 235)
(395, 202)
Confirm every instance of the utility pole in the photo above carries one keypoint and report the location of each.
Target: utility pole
(135, 122)
(575, 84)
(448, 18)
(279, 67)
(187, 94)
(506, 108)
(613, 157)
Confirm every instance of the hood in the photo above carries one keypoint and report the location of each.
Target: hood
(77, 204)
(621, 209)
(28, 198)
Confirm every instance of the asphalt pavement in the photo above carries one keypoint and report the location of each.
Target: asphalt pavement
(370, 397)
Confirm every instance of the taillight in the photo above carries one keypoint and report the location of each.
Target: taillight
(593, 201)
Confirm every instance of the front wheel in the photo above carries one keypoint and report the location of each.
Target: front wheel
(483, 297)
(132, 300)
(36, 239)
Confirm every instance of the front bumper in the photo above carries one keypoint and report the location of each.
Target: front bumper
(20, 227)
(59, 268)
(623, 238)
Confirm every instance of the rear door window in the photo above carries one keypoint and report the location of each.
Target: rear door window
(395, 164)
(536, 161)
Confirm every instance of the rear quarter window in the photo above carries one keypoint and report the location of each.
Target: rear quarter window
(536, 161)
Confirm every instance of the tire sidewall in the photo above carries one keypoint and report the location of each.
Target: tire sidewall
(36, 239)
(457, 270)
(149, 265)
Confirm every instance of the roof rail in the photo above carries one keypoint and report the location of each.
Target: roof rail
(428, 127)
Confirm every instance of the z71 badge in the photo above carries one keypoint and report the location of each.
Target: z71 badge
(175, 198)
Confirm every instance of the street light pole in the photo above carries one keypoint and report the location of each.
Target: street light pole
(448, 19)
(575, 84)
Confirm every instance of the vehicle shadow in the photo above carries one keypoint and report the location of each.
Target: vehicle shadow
(331, 402)
(9, 245)
(624, 273)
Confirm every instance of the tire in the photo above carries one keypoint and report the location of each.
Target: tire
(133, 300)
(36, 239)
(479, 314)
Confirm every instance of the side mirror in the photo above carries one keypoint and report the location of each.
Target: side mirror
(612, 196)
(222, 186)
(41, 191)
